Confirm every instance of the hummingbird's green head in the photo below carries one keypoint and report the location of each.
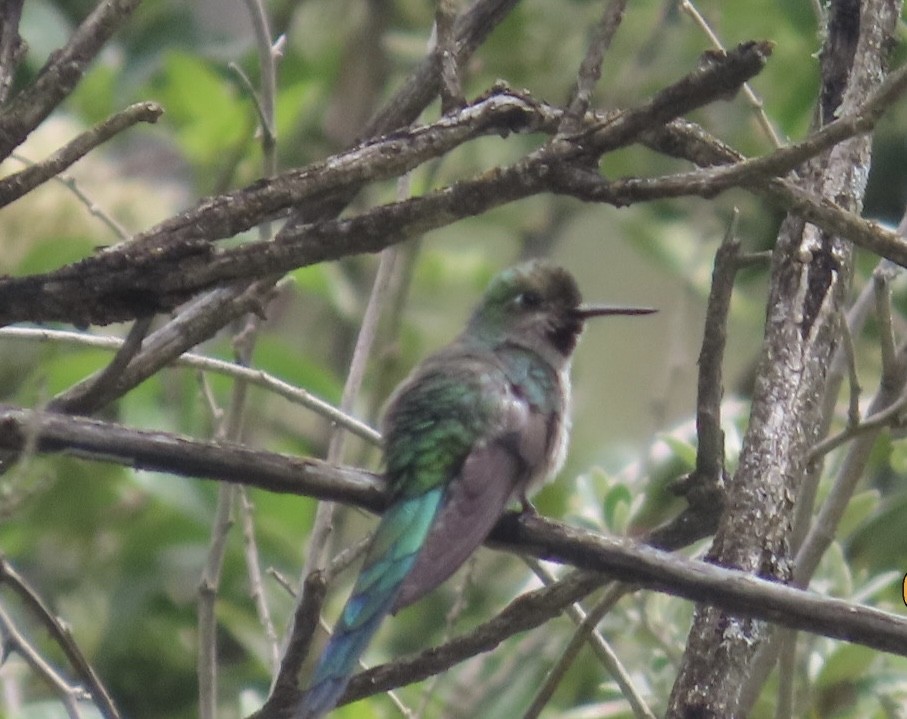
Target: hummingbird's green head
(537, 305)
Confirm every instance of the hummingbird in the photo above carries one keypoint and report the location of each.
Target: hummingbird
(481, 423)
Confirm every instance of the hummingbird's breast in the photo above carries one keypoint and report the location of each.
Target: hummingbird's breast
(545, 393)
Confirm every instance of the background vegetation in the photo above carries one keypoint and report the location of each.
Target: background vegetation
(119, 554)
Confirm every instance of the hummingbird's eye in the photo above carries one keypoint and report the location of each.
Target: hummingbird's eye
(530, 299)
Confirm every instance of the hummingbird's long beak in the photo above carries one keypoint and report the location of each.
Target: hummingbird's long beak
(584, 312)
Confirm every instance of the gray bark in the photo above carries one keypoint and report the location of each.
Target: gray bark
(810, 277)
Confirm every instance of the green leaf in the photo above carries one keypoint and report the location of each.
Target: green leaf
(681, 449)
(50, 253)
(847, 663)
(95, 96)
(859, 509)
(203, 107)
(278, 357)
(897, 458)
(617, 507)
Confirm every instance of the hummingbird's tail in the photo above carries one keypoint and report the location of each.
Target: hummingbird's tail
(391, 555)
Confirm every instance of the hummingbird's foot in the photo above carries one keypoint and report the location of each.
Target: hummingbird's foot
(528, 508)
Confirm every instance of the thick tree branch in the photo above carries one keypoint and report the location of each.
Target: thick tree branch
(134, 279)
(12, 46)
(142, 276)
(545, 539)
(203, 317)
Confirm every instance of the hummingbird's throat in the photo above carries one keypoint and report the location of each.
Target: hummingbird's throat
(564, 335)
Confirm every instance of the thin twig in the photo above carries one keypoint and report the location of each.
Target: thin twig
(754, 100)
(244, 341)
(265, 100)
(883, 418)
(217, 412)
(18, 184)
(249, 87)
(754, 259)
(256, 377)
(71, 184)
(256, 585)
(12, 640)
(587, 632)
(228, 428)
(451, 86)
(127, 350)
(62, 636)
(207, 596)
(882, 288)
(850, 355)
(590, 68)
(322, 525)
(457, 607)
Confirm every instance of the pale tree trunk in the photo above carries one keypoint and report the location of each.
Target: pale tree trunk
(810, 278)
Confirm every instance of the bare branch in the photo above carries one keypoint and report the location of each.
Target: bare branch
(15, 186)
(200, 319)
(810, 278)
(445, 46)
(322, 525)
(111, 373)
(590, 69)
(754, 101)
(471, 29)
(12, 47)
(207, 595)
(12, 640)
(586, 631)
(136, 278)
(61, 73)
(62, 636)
(305, 621)
(704, 487)
(733, 590)
(203, 363)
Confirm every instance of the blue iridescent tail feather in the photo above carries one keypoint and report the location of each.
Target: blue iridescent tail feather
(391, 555)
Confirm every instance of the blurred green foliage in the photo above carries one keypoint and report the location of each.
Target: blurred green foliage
(118, 553)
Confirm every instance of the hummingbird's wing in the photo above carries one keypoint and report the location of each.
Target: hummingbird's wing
(492, 472)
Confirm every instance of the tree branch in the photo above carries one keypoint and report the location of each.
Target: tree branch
(810, 278)
(733, 590)
(163, 267)
(61, 73)
(62, 636)
(136, 278)
(15, 186)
